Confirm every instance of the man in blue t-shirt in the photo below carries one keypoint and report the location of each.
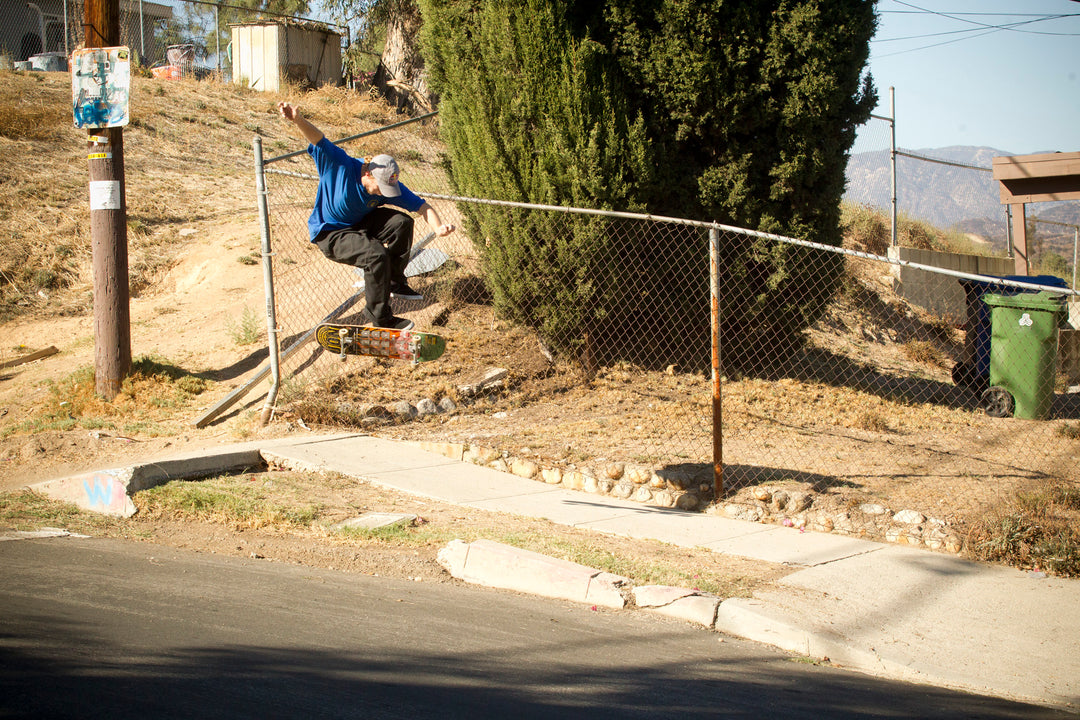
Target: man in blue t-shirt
(350, 225)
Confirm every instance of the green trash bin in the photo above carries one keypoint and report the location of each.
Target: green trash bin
(1023, 354)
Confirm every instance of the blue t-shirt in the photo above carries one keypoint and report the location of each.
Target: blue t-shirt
(341, 200)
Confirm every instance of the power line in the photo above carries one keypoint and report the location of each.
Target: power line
(980, 30)
(1006, 26)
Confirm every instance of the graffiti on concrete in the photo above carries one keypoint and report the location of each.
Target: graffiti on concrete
(105, 493)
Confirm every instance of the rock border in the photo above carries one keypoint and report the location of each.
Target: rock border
(789, 506)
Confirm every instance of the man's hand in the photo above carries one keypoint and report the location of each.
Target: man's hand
(292, 113)
(444, 230)
(287, 111)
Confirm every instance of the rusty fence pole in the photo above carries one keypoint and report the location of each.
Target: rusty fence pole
(717, 406)
(108, 224)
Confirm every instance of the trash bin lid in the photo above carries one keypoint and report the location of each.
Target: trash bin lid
(1050, 302)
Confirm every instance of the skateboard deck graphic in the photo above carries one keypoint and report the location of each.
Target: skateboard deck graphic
(380, 342)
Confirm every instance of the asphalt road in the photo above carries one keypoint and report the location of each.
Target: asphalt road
(95, 628)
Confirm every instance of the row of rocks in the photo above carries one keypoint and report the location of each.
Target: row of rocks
(836, 514)
(372, 414)
(686, 490)
(629, 482)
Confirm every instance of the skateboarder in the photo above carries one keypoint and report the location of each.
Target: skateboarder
(350, 225)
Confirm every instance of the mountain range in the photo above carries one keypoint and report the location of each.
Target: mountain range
(952, 197)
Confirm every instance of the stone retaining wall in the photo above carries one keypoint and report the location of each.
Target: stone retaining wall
(692, 491)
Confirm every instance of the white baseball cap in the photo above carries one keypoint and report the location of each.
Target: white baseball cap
(385, 171)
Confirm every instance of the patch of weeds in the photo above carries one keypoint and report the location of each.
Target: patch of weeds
(1038, 529)
(866, 227)
(238, 502)
(642, 572)
(1069, 431)
(807, 660)
(249, 330)
(924, 352)
(249, 259)
(73, 401)
(150, 429)
(872, 421)
(27, 510)
(407, 535)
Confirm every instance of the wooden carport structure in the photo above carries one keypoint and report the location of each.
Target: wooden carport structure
(1023, 179)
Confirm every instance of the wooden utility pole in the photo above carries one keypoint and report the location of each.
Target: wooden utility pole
(108, 224)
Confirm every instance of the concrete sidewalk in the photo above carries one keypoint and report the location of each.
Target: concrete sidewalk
(886, 610)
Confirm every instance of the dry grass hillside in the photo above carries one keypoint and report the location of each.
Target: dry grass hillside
(188, 159)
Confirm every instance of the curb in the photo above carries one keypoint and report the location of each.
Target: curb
(492, 564)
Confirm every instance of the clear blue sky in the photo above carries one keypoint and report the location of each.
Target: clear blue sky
(959, 82)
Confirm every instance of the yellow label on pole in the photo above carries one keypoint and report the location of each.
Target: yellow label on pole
(100, 156)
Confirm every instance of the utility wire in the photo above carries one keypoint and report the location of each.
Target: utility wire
(973, 33)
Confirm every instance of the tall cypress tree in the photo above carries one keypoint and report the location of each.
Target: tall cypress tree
(532, 113)
(723, 110)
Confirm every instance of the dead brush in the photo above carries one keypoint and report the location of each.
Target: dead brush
(1038, 530)
(871, 421)
(924, 352)
(31, 116)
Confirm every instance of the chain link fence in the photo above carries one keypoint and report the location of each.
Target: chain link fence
(616, 390)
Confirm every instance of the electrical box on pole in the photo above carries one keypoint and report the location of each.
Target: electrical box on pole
(100, 83)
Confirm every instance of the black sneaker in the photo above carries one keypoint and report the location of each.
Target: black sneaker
(402, 291)
(397, 323)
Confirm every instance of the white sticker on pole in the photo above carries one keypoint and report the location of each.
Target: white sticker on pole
(105, 195)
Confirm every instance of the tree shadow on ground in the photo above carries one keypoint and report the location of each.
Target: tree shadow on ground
(686, 475)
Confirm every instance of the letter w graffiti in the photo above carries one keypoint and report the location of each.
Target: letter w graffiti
(100, 493)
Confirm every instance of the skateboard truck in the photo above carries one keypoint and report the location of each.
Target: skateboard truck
(343, 333)
(414, 348)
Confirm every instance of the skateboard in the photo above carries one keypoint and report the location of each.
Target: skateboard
(380, 342)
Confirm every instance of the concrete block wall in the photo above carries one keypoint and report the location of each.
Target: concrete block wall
(939, 294)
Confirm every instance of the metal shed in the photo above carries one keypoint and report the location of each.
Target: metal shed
(265, 54)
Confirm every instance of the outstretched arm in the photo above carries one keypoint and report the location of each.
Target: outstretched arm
(292, 113)
(431, 217)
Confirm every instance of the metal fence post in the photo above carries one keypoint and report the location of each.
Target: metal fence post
(894, 238)
(1076, 246)
(717, 406)
(217, 38)
(268, 282)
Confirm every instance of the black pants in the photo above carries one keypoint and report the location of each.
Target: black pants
(379, 244)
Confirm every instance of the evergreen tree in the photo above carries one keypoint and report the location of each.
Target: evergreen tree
(742, 113)
(531, 113)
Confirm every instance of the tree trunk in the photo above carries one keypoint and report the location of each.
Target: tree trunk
(401, 76)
